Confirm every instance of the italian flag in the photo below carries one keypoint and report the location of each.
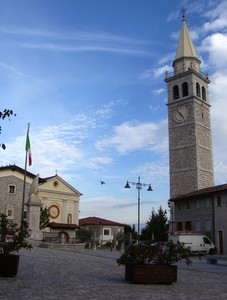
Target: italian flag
(28, 149)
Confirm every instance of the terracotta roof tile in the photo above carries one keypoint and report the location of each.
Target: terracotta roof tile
(62, 225)
(202, 192)
(98, 221)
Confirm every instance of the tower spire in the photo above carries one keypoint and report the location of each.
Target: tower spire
(183, 11)
(186, 55)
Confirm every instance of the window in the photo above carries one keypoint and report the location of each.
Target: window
(197, 203)
(208, 224)
(11, 189)
(106, 232)
(219, 201)
(179, 226)
(188, 225)
(203, 93)
(175, 92)
(188, 205)
(9, 211)
(198, 94)
(197, 225)
(206, 240)
(185, 89)
(207, 203)
(56, 183)
(178, 206)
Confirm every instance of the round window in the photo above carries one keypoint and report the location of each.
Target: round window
(56, 183)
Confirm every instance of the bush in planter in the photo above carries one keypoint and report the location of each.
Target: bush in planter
(12, 238)
(152, 264)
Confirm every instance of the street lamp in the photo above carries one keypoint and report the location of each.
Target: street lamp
(139, 186)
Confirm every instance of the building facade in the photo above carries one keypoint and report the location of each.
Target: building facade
(203, 211)
(59, 197)
(103, 230)
(11, 191)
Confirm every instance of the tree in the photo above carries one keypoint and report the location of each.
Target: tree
(130, 234)
(83, 235)
(44, 218)
(6, 113)
(157, 227)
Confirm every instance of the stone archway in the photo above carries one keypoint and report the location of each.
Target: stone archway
(64, 236)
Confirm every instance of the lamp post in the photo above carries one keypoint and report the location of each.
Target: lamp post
(139, 186)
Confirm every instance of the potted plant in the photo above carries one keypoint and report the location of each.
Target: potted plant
(154, 264)
(12, 239)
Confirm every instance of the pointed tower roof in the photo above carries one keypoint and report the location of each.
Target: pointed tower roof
(186, 57)
(185, 45)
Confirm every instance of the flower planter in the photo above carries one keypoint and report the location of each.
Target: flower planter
(129, 269)
(9, 265)
(151, 274)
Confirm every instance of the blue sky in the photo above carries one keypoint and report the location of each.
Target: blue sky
(88, 75)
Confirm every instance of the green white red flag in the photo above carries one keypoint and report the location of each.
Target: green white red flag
(28, 149)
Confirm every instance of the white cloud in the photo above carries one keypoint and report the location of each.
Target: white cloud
(216, 45)
(156, 170)
(159, 72)
(168, 58)
(84, 48)
(75, 35)
(76, 41)
(130, 137)
(218, 17)
(219, 124)
(215, 25)
(59, 147)
(158, 91)
(156, 72)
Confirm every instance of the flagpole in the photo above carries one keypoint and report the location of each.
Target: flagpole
(24, 187)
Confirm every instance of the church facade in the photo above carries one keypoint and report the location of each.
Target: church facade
(60, 198)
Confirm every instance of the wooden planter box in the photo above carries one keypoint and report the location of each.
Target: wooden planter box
(151, 274)
(9, 265)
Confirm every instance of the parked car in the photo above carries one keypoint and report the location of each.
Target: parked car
(198, 244)
(147, 245)
(160, 245)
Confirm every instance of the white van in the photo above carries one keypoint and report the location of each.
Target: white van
(197, 243)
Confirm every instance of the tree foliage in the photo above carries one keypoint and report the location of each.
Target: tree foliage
(130, 234)
(83, 235)
(157, 227)
(167, 255)
(44, 218)
(6, 113)
(17, 236)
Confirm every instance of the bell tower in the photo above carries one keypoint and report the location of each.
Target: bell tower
(190, 142)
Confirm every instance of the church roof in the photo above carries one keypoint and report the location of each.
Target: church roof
(185, 45)
(63, 225)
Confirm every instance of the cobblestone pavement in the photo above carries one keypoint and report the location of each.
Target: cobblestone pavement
(94, 274)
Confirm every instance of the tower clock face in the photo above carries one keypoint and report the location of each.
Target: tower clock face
(180, 114)
(54, 211)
